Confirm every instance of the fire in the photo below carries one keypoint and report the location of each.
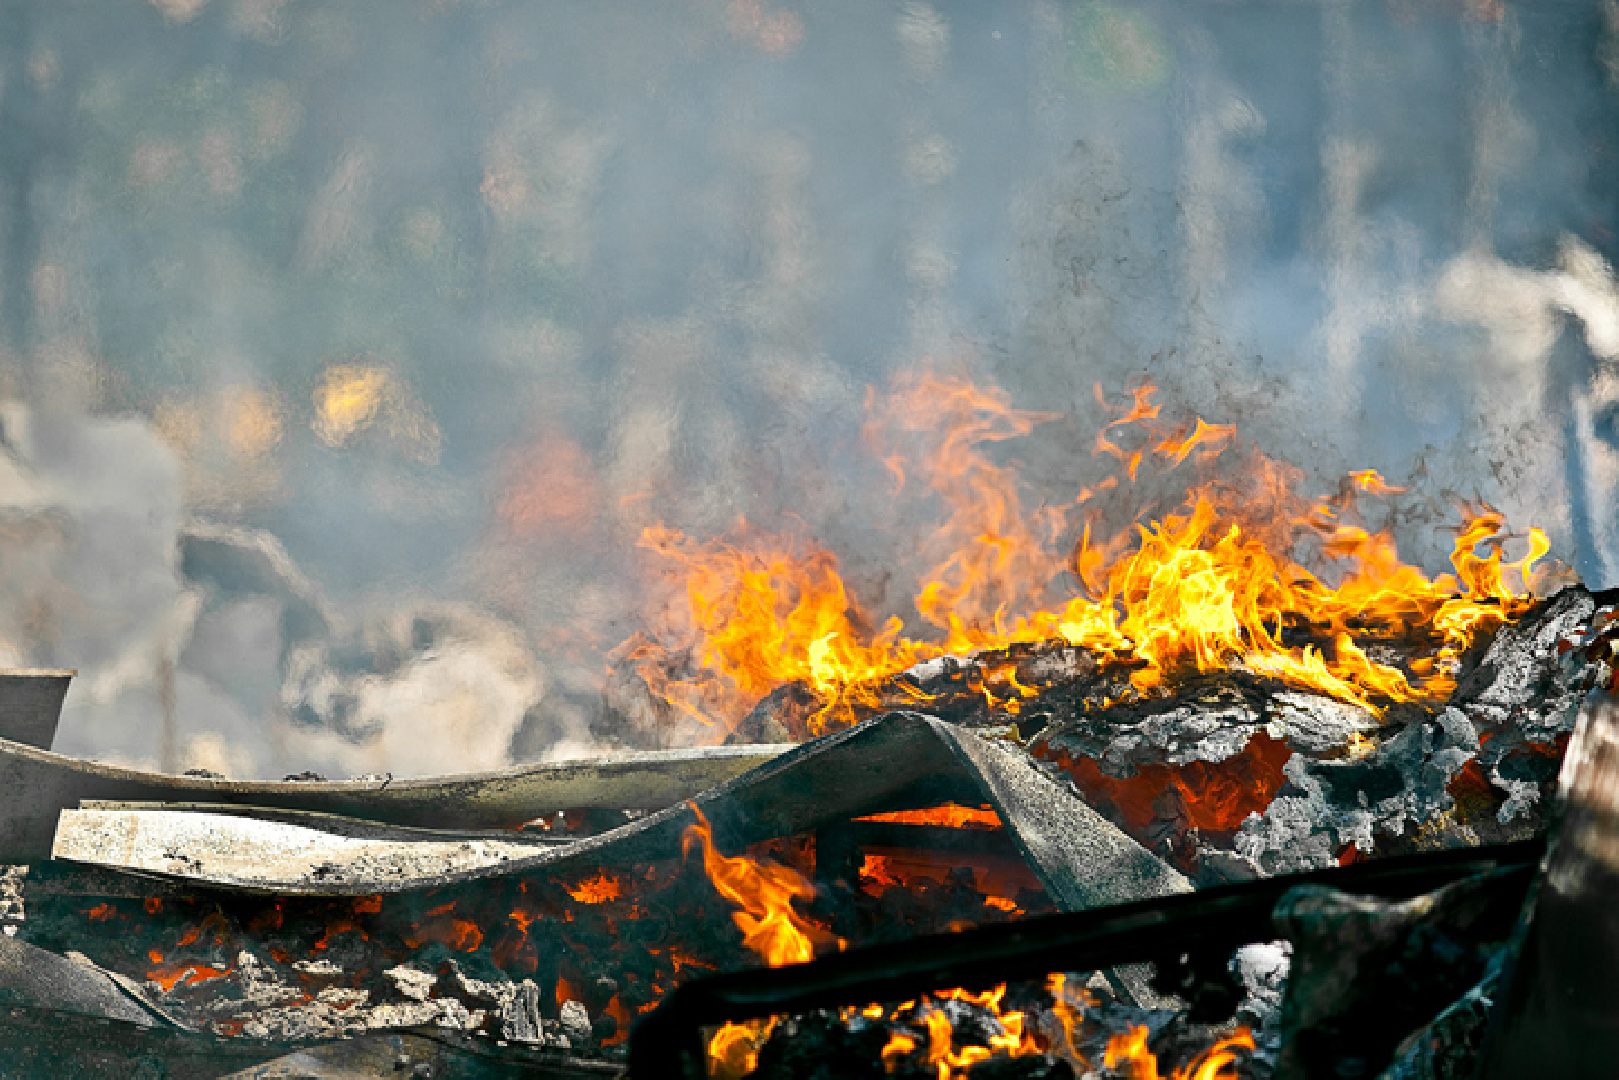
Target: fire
(1128, 1050)
(168, 976)
(950, 816)
(930, 1038)
(733, 1052)
(174, 973)
(764, 893)
(596, 890)
(1218, 581)
(1215, 796)
(771, 612)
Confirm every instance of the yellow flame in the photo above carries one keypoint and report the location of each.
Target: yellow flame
(763, 892)
(1210, 585)
(733, 1052)
(1127, 1052)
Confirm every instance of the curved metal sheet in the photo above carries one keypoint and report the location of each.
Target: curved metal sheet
(36, 785)
(896, 761)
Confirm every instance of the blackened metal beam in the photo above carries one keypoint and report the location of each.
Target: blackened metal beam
(668, 1043)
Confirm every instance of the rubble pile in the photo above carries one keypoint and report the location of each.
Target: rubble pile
(993, 788)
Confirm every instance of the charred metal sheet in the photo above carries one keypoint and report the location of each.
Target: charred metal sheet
(43, 1042)
(31, 703)
(37, 978)
(898, 761)
(35, 785)
(338, 825)
(668, 1043)
(1083, 859)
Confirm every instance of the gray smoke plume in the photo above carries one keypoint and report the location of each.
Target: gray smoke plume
(348, 347)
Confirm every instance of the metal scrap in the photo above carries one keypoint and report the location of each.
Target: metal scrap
(35, 785)
(897, 761)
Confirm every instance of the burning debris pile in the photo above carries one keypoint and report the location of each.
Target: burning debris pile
(1201, 717)
(554, 941)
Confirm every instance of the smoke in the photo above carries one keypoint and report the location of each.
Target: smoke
(349, 347)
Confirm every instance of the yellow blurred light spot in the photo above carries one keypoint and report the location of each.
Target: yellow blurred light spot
(348, 401)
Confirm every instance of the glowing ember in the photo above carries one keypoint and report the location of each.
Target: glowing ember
(954, 817)
(1214, 583)
(1215, 796)
(922, 1034)
(1127, 1051)
(169, 976)
(596, 890)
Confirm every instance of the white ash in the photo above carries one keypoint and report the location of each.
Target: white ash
(11, 898)
(1327, 805)
(1200, 733)
(1212, 721)
(575, 1022)
(1315, 724)
(1520, 666)
(262, 1003)
(1522, 795)
(938, 668)
(410, 982)
(1065, 665)
(1261, 968)
(1527, 689)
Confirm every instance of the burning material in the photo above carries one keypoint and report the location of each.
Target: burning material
(1228, 1022)
(764, 896)
(1202, 712)
(944, 1035)
(910, 829)
(1211, 585)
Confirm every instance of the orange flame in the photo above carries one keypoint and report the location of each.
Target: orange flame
(1128, 1052)
(951, 816)
(772, 613)
(764, 892)
(1214, 583)
(168, 976)
(733, 1052)
(903, 1049)
(596, 890)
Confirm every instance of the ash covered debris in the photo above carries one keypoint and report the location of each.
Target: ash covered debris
(1082, 1029)
(1233, 774)
(1474, 770)
(1101, 795)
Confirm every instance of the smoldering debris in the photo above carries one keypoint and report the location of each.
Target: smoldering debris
(518, 949)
